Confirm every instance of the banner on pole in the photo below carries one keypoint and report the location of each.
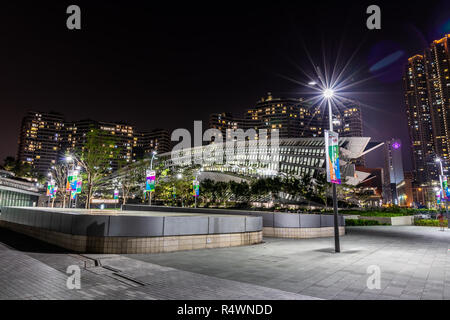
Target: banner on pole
(150, 181)
(51, 189)
(196, 188)
(332, 157)
(438, 197)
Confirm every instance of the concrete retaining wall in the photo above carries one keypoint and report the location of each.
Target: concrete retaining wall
(130, 245)
(128, 226)
(273, 223)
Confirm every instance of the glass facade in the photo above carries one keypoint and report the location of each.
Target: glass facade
(18, 199)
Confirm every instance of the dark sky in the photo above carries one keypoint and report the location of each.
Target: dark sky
(168, 65)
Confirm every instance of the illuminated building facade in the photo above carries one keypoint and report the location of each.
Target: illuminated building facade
(287, 115)
(39, 140)
(121, 134)
(144, 143)
(393, 171)
(427, 98)
(419, 120)
(437, 59)
(292, 157)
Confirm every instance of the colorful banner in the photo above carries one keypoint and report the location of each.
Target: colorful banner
(116, 194)
(79, 185)
(51, 189)
(70, 178)
(332, 157)
(195, 188)
(150, 181)
(438, 197)
(174, 192)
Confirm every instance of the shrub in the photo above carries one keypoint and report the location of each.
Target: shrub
(428, 222)
(362, 222)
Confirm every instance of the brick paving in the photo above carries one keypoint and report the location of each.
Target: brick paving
(414, 264)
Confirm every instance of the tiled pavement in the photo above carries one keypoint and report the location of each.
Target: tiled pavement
(414, 264)
(32, 274)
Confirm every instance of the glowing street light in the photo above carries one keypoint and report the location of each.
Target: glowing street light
(328, 93)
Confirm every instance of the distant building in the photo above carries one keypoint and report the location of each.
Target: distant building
(372, 185)
(294, 118)
(45, 139)
(75, 136)
(437, 67)
(393, 171)
(144, 143)
(419, 121)
(224, 121)
(284, 114)
(40, 139)
(405, 190)
(427, 98)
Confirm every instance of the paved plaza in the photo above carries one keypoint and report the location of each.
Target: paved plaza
(414, 264)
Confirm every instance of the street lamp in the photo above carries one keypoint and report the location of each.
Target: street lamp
(154, 153)
(196, 181)
(441, 177)
(328, 94)
(68, 159)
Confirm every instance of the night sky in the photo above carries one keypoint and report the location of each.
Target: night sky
(164, 66)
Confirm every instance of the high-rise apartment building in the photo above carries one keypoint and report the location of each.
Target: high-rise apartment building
(144, 143)
(419, 120)
(46, 138)
(293, 118)
(437, 65)
(278, 113)
(121, 134)
(39, 140)
(426, 82)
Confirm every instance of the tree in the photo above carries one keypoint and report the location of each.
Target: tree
(221, 191)
(20, 169)
(130, 179)
(59, 175)
(95, 158)
(207, 190)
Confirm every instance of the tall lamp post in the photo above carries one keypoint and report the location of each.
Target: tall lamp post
(328, 95)
(70, 159)
(195, 185)
(443, 192)
(154, 153)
